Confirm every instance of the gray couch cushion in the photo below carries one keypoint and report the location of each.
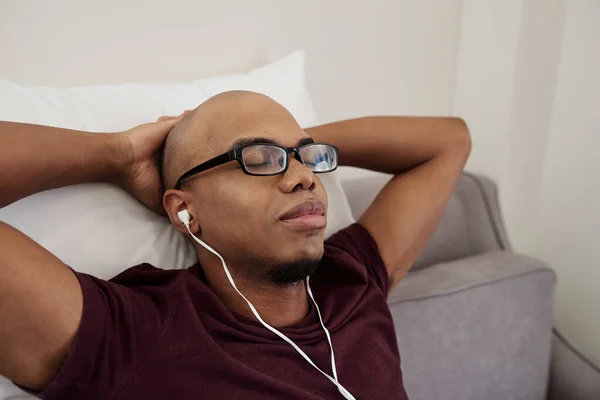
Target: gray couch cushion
(471, 223)
(572, 375)
(478, 328)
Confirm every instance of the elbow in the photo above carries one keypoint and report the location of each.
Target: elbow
(461, 129)
(461, 137)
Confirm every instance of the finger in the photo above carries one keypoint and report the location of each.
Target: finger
(165, 118)
(169, 117)
(169, 123)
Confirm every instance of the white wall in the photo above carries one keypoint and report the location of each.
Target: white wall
(523, 73)
(364, 57)
(567, 231)
(507, 61)
(529, 87)
(485, 79)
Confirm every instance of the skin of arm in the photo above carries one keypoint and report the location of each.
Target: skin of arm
(40, 298)
(426, 155)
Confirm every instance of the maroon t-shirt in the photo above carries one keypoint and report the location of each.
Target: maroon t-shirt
(160, 334)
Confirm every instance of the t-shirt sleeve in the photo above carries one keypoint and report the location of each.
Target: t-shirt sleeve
(358, 243)
(118, 328)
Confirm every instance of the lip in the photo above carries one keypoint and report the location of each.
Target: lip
(306, 215)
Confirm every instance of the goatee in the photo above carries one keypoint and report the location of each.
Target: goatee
(289, 274)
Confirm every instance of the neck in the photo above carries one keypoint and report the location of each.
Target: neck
(279, 306)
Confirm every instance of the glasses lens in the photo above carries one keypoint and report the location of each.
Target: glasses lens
(319, 157)
(264, 159)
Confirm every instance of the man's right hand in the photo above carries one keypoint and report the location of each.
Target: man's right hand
(140, 174)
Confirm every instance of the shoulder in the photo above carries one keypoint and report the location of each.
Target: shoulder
(354, 248)
(122, 320)
(141, 287)
(146, 275)
(355, 241)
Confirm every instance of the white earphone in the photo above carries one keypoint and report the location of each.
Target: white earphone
(184, 217)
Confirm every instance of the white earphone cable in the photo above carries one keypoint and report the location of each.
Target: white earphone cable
(333, 379)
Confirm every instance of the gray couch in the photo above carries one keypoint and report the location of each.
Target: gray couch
(473, 319)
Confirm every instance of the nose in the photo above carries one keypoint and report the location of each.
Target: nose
(297, 177)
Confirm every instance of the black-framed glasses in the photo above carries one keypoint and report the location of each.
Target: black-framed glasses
(266, 159)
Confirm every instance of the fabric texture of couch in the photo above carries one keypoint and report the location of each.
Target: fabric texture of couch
(474, 319)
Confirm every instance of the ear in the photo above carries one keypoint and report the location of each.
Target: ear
(175, 201)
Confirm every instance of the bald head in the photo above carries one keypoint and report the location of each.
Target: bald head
(203, 132)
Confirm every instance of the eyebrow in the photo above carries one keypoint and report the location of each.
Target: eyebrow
(262, 140)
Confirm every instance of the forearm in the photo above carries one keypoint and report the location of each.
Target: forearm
(393, 144)
(406, 212)
(34, 158)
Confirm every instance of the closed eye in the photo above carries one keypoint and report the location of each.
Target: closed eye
(259, 165)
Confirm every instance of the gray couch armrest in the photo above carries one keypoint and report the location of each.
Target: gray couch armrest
(471, 224)
(476, 328)
(572, 375)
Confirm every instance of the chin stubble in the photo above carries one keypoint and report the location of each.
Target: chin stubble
(290, 274)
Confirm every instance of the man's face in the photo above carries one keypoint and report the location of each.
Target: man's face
(244, 217)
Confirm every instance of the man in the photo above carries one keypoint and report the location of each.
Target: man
(247, 175)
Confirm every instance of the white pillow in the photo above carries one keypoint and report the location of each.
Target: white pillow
(99, 229)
